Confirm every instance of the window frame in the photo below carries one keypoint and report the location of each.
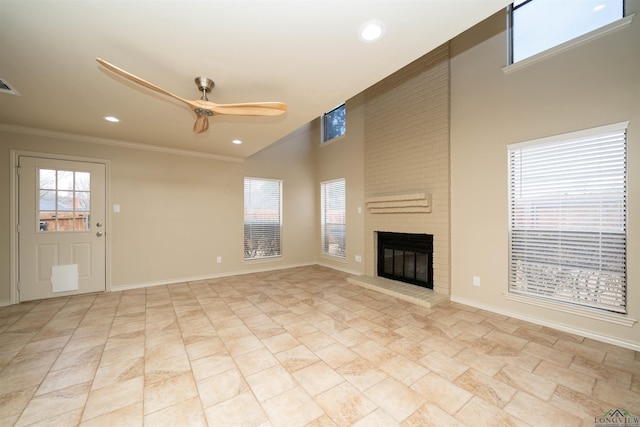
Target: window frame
(324, 123)
(342, 253)
(247, 237)
(614, 25)
(528, 291)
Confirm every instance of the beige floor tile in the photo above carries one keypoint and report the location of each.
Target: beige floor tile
(294, 407)
(377, 418)
(211, 365)
(431, 415)
(131, 415)
(205, 348)
(162, 394)
(565, 376)
(317, 378)
(12, 403)
(536, 385)
(21, 379)
(220, 387)
(242, 409)
(617, 397)
(578, 404)
(297, 358)
(493, 391)
(63, 378)
(442, 393)
(443, 365)
(114, 397)
(403, 369)
(538, 413)
(189, 412)
(58, 402)
(345, 404)
(336, 355)
(270, 382)
(255, 361)
(118, 372)
(396, 399)
(479, 413)
(162, 370)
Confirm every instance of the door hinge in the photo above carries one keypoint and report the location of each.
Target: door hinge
(18, 170)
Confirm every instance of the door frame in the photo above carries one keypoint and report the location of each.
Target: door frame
(13, 214)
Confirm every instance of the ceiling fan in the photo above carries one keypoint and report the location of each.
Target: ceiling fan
(203, 107)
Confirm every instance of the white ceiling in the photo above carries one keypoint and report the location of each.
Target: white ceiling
(305, 53)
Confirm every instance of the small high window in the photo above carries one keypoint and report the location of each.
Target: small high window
(334, 123)
(539, 25)
(262, 218)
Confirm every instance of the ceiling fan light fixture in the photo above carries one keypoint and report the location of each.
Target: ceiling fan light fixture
(371, 31)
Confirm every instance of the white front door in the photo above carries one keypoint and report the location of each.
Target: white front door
(61, 226)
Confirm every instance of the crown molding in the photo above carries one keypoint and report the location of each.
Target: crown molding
(114, 143)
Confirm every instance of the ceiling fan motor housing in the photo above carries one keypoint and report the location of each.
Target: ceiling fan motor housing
(204, 84)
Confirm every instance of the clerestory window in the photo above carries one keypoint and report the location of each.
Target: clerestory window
(539, 25)
(334, 123)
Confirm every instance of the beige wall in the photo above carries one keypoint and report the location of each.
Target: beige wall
(407, 151)
(590, 85)
(178, 213)
(343, 158)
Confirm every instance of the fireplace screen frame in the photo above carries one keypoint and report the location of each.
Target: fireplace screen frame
(405, 248)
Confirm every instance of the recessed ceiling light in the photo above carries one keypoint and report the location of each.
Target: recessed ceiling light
(111, 119)
(237, 141)
(371, 31)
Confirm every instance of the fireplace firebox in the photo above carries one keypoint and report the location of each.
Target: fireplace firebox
(406, 257)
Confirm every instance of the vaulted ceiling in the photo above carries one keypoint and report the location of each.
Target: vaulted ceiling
(305, 53)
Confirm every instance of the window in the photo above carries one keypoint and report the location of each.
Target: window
(65, 200)
(538, 25)
(262, 218)
(333, 217)
(567, 218)
(334, 123)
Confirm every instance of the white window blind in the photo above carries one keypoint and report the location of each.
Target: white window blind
(333, 218)
(567, 205)
(262, 218)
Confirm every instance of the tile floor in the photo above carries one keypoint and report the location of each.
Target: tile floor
(296, 347)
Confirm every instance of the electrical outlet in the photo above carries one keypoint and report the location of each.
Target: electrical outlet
(476, 280)
(358, 258)
(219, 260)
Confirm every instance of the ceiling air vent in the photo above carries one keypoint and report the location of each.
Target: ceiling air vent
(5, 87)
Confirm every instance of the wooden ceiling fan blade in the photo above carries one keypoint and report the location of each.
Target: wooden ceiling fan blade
(140, 81)
(201, 124)
(249, 108)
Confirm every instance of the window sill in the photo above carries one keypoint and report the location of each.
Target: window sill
(609, 28)
(618, 319)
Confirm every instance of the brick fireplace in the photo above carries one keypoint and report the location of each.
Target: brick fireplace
(407, 160)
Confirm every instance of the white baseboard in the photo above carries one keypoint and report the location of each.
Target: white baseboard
(544, 322)
(259, 268)
(4, 303)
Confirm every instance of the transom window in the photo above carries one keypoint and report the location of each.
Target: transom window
(333, 217)
(262, 218)
(568, 218)
(539, 25)
(65, 200)
(334, 123)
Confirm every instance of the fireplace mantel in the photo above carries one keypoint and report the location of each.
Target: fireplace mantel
(400, 203)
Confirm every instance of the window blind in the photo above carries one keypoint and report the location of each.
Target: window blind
(567, 206)
(333, 218)
(262, 218)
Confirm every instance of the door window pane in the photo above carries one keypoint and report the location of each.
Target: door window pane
(65, 200)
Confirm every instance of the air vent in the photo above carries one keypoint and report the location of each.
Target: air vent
(5, 87)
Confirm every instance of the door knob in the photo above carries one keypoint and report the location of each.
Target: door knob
(99, 224)
(99, 233)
